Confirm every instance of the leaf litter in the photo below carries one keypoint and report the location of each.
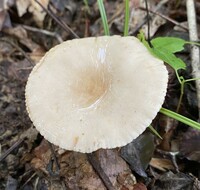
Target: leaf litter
(32, 163)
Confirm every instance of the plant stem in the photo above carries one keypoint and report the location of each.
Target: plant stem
(127, 13)
(181, 96)
(182, 82)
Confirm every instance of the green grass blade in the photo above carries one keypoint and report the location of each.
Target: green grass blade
(86, 5)
(127, 13)
(103, 17)
(85, 2)
(180, 118)
(154, 131)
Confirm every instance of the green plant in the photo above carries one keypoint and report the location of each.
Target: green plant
(86, 5)
(126, 24)
(163, 48)
(103, 17)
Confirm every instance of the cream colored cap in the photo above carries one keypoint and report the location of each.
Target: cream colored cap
(98, 92)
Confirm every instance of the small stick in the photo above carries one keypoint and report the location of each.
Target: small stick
(159, 5)
(11, 149)
(29, 179)
(166, 18)
(50, 166)
(54, 158)
(195, 54)
(46, 32)
(95, 164)
(148, 24)
(60, 22)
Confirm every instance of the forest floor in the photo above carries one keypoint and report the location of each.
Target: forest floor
(28, 161)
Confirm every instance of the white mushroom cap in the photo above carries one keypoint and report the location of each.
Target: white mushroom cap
(98, 92)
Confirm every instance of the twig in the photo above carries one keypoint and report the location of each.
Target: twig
(46, 32)
(148, 24)
(100, 172)
(26, 68)
(166, 18)
(29, 179)
(195, 55)
(159, 5)
(50, 165)
(55, 173)
(12, 148)
(60, 22)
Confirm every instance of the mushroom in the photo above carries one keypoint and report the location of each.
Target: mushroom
(97, 92)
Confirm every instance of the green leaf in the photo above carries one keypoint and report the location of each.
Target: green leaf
(141, 37)
(171, 44)
(154, 131)
(164, 49)
(168, 57)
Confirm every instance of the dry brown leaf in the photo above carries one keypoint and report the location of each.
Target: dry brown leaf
(155, 24)
(116, 168)
(42, 156)
(37, 54)
(38, 12)
(175, 181)
(78, 173)
(18, 32)
(31, 135)
(189, 145)
(4, 19)
(43, 152)
(139, 186)
(161, 164)
(22, 6)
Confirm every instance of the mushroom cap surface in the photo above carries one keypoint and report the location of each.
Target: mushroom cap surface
(97, 92)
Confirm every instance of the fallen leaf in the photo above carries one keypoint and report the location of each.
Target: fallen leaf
(139, 186)
(161, 164)
(22, 6)
(4, 20)
(78, 173)
(42, 157)
(188, 145)
(37, 11)
(115, 168)
(138, 153)
(31, 135)
(18, 32)
(173, 181)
